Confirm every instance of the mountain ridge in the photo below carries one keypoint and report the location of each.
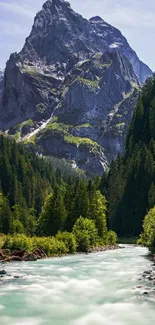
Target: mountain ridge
(79, 72)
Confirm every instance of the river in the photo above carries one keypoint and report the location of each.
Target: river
(95, 289)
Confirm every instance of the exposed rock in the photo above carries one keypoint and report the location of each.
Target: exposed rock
(13, 259)
(82, 73)
(1, 81)
(29, 257)
(3, 272)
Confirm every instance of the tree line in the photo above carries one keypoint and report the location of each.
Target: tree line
(129, 185)
(35, 200)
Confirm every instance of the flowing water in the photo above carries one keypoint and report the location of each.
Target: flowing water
(93, 289)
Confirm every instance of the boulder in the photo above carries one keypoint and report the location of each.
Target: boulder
(29, 257)
(13, 259)
(3, 272)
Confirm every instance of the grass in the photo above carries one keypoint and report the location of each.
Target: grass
(86, 125)
(80, 141)
(17, 136)
(91, 83)
(31, 139)
(64, 129)
(102, 65)
(57, 126)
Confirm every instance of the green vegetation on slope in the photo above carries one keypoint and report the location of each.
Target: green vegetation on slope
(64, 130)
(130, 184)
(36, 201)
(91, 83)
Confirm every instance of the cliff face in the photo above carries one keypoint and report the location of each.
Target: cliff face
(81, 73)
(1, 81)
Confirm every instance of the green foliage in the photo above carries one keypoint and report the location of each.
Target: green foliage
(90, 83)
(69, 240)
(130, 186)
(85, 233)
(50, 245)
(17, 227)
(98, 213)
(36, 199)
(5, 214)
(148, 235)
(53, 215)
(111, 238)
(18, 241)
(64, 130)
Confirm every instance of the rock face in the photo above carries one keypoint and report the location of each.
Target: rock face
(1, 80)
(81, 73)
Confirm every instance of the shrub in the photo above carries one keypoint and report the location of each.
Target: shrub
(50, 245)
(69, 240)
(148, 235)
(111, 238)
(85, 233)
(18, 242)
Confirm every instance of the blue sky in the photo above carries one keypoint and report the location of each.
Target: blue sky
(135, 18)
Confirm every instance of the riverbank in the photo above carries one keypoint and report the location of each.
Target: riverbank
(7, 256)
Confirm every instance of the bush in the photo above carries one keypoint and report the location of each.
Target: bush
(111, 238)
(148, 235)
(69, 240)
(18, 242)
(50, 245)
(85, 233)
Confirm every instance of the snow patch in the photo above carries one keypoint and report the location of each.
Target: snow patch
(115, 45)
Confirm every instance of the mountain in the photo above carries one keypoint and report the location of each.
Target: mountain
(73, 87)
(1, 80)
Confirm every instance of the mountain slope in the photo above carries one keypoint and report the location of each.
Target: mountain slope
(80, 72)
(1, 80)
(131, 179)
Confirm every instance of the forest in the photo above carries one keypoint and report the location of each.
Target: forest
(130, 184)
(38, 202)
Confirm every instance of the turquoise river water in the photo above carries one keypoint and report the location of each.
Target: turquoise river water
(95, 289)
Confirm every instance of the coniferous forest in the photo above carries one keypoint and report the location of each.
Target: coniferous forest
(130, 183)
(36, 201)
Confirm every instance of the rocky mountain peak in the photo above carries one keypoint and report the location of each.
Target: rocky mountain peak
(96, 19)
(72, 88)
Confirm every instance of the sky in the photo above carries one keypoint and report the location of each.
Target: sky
(135, 19)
